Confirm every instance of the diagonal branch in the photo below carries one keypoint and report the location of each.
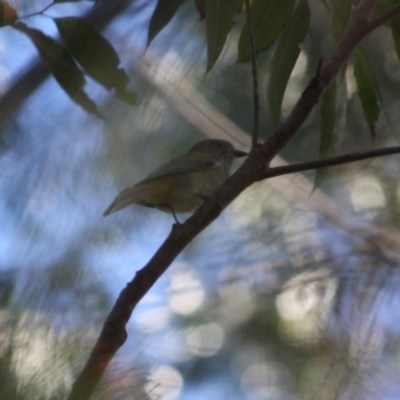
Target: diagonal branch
(254, 168)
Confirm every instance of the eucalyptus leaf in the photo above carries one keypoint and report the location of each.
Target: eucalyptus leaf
(62, 66)
(394, 26)
(340, 15)
(368, 89)
(269, 17)
(328, 120)
(285, 56)
(8, 14)
(333, 115)
(95, 55)
(162, 15)
(201, 8)
(66, 1)
(219, 16)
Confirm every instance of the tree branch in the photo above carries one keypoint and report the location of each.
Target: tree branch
(328, 162)
(253, 169)
(384, 17)
(364, 10)
(37, 12)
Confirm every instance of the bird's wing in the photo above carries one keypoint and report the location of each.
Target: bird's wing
(187, 163)
(192, 162)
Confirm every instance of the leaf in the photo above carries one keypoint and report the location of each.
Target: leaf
(62, 66)
(239, 5)
(328, 120)
(395, 27)
(333, 112)
(285, 56)
(8, 15)
(368, 89)
(201, 8)
(341, 10)
(163, 13)
(95, 54)
(219, 16)
(65, 1)
(269, 18)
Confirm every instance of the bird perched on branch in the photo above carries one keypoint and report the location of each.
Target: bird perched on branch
(182, 184)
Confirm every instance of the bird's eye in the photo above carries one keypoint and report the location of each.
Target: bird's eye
(221, 145)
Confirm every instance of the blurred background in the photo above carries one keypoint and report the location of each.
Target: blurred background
(290, 294)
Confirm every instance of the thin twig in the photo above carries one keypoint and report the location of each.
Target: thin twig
(113, 334)
(329, 162)
(254, 72)
(38, 12)
(384, 17)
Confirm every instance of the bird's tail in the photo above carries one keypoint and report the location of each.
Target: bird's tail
(125, 198)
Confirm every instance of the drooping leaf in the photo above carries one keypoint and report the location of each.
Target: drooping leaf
(269, 18)
(8, 15)
(239, 5)
(163, 13)
(328, 120)
(333, 112)
(95, 54)
(395, 27)
(62, 67)
(65, 1)
(201, 8)
(340, 17)
(368, 88)
(219, 16)
(285, 56)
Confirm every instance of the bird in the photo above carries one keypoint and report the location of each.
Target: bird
(184, 183)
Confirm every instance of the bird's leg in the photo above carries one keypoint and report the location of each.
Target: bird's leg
(173, 213)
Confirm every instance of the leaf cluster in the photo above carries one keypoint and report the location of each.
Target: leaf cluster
(81, 51)
(278, 24)
(284, 24)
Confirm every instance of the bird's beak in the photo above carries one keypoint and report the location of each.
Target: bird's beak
(238, 153)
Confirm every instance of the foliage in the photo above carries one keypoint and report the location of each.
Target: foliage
(264, 262)
(278, 25)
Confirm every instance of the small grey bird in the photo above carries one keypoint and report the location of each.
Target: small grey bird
(182, 184)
